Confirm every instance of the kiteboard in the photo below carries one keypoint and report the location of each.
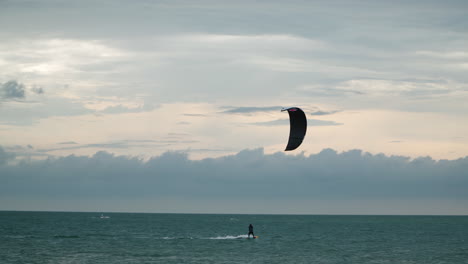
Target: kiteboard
(255, 237)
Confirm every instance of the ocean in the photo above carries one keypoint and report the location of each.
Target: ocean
(64, 237)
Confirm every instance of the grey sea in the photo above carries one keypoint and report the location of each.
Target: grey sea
(55, 237)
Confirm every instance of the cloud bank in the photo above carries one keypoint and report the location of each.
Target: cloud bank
(248, 176)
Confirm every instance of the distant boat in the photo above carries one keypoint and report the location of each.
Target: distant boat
(104, 216)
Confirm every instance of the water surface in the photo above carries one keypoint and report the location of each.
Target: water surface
(54, 237)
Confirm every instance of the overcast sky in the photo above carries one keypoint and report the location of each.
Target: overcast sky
(141, 80)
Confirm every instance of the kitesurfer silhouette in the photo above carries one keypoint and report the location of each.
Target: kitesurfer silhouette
(251, 231)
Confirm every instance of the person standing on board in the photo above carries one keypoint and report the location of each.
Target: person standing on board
(251, 231)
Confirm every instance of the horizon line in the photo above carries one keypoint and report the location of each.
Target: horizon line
(205, 213)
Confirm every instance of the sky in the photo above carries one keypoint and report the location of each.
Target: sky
(180, 102)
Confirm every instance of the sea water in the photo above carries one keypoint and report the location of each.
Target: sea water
(55, 237)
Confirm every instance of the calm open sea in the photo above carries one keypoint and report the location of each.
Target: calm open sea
(54, 237)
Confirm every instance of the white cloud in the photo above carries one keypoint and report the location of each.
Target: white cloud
(456, 55)
(55, 56)
(311, 65)
(405, 88)
(247, 43)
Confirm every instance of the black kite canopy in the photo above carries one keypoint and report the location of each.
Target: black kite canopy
(298, 127)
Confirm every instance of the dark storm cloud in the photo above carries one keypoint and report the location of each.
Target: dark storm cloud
(251, 109)
(310, 122)
(12, 90)
(247, 174)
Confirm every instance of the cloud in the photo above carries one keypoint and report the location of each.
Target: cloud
(321, 113)
(68, 143)
(121, 144)
(400, 87)
(172, 134)
(33, 112)
(249, 175)
(5, 156)
(44, 57)
(56, 106)
(120, 109)
(251, 109)
(12, 90)
(329, 91)
(285, 122)
(317, 122)
(277, 122)
(198, 115)
(37, 90)
(457, 55)
(408, 90)
(309, 65)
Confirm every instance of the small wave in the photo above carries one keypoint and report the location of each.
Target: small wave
(99, 235)
(59, 236)
(18, 236)
(218, 237)
(176, 238)
(229, 237)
